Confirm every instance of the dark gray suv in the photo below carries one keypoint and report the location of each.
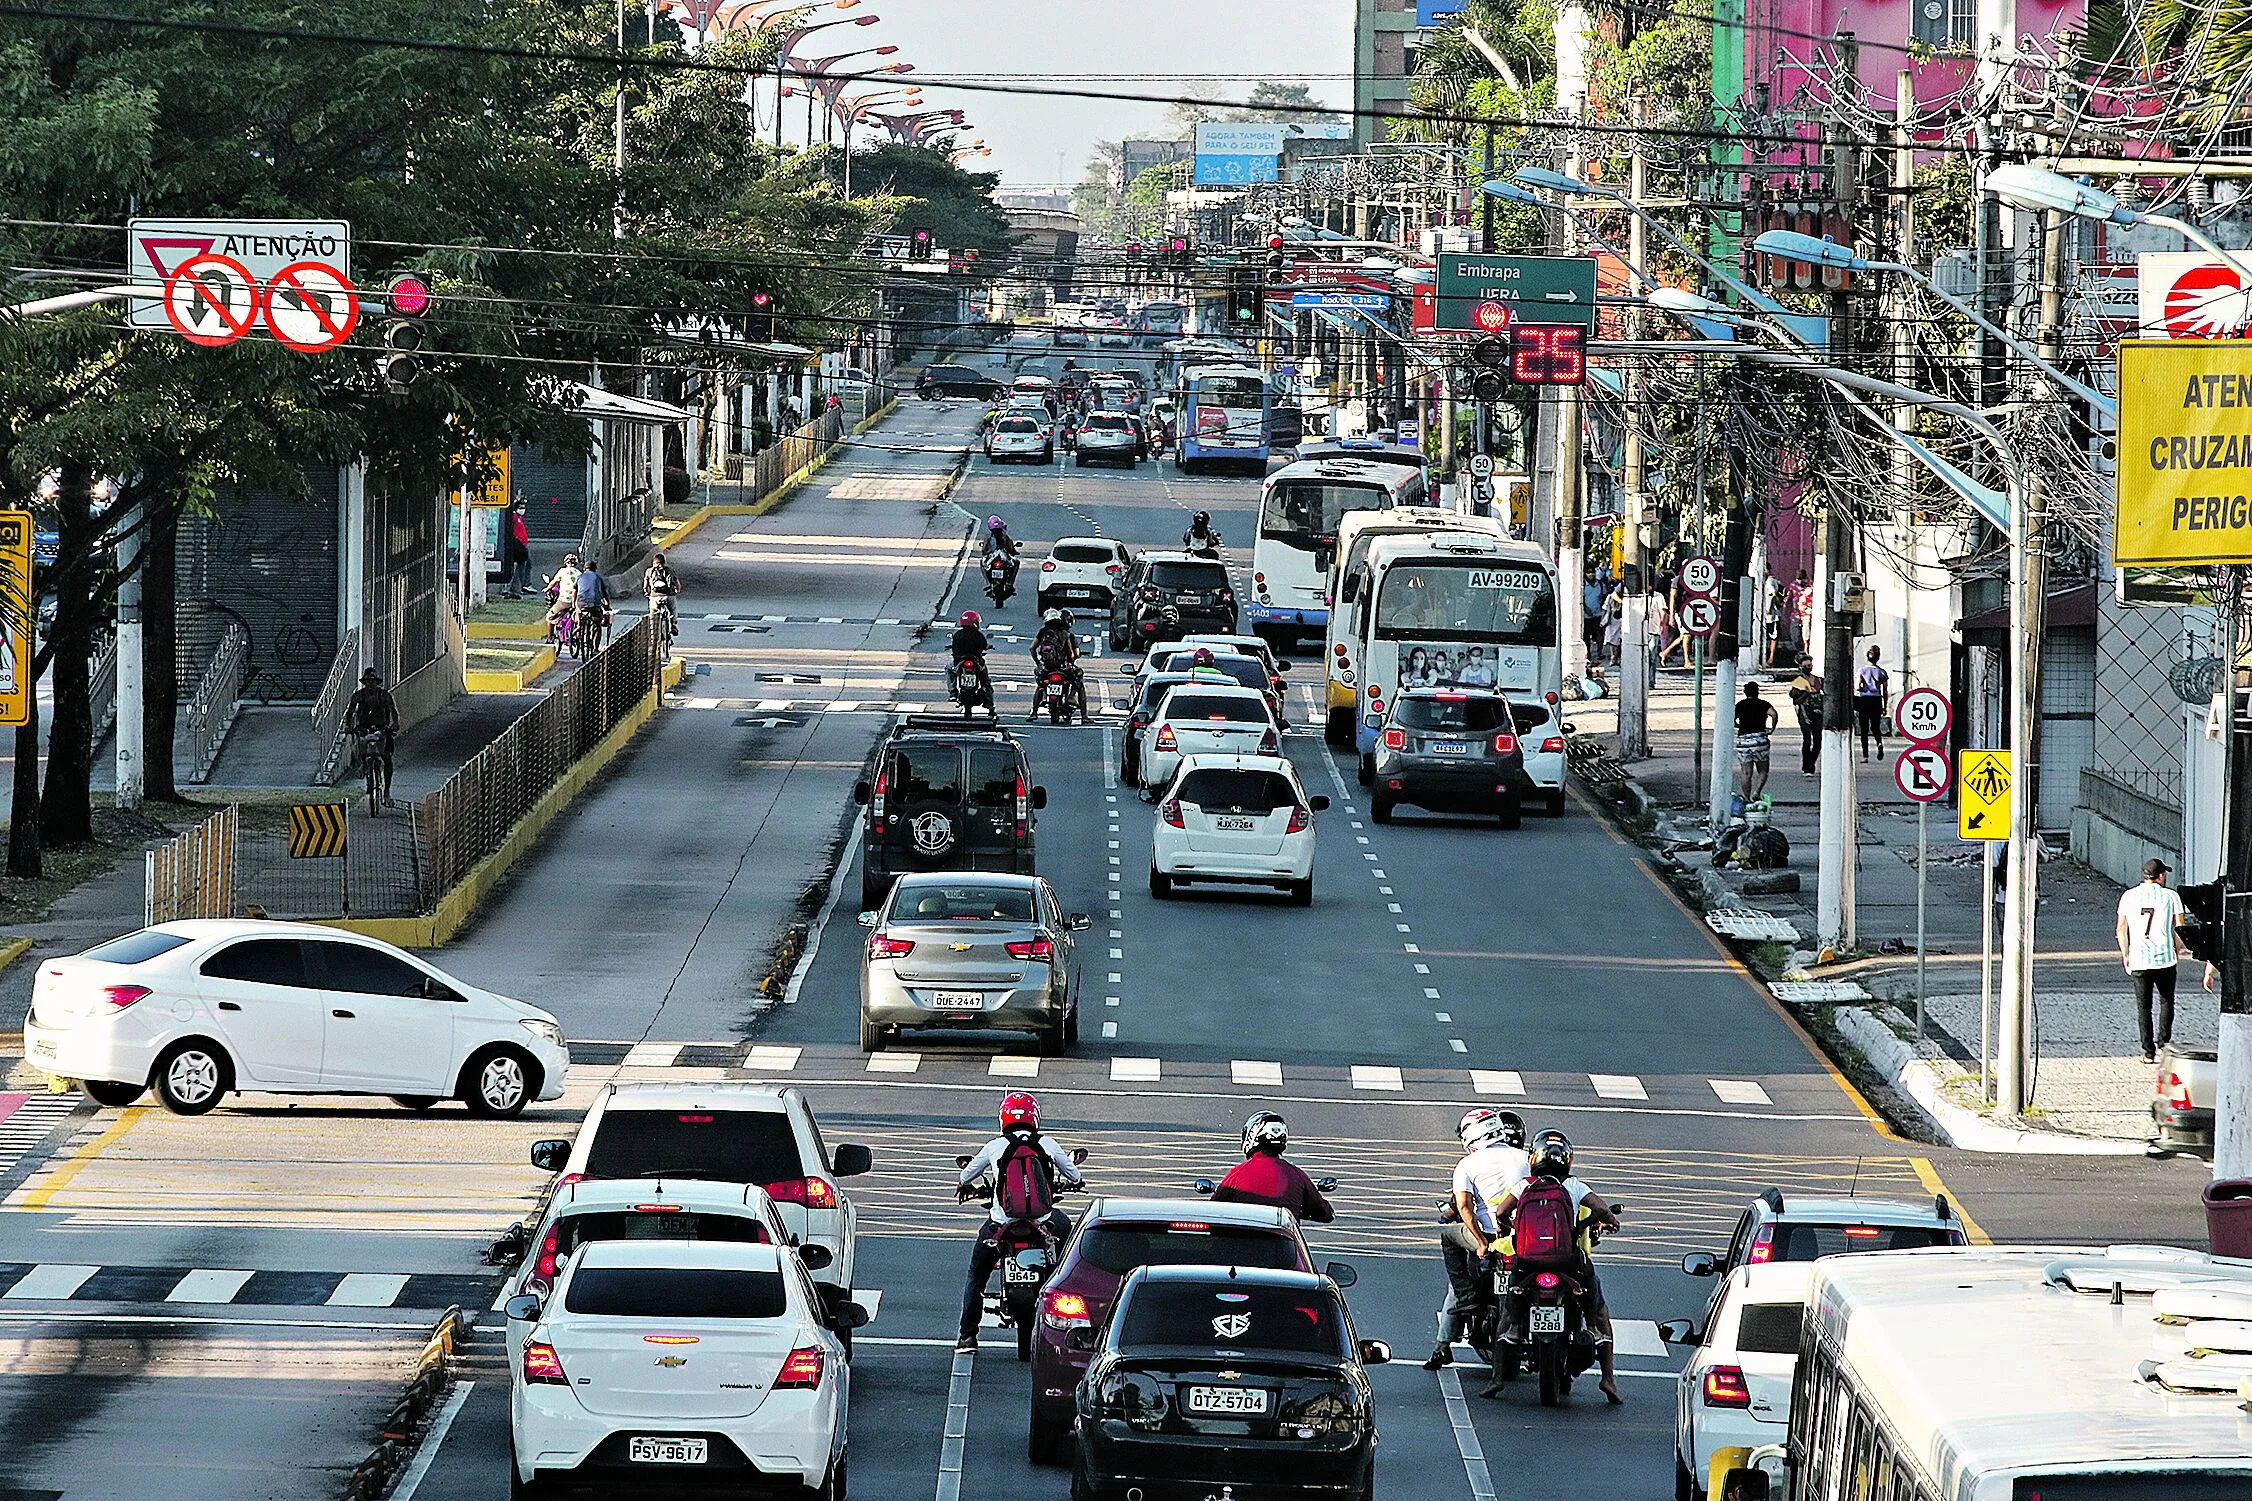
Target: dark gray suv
(941, 796)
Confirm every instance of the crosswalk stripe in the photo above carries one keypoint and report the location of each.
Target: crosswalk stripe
(1739, 1092)
(206, 1285)
(894, 1063)
(1376, 1076)
(51, 1280)
(653, 1054)
(869, 1298)
(1637, 1337)
(368, 1290)
(1497, 1081)
(771, 1057)
(1007, 1067)
(1134, 1070)
(1244, 1071)
(1618, 1086)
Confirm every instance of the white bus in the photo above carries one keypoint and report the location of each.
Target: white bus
(2023, 1374)
(1356, 532)
(1457, 609)
(1300, 509)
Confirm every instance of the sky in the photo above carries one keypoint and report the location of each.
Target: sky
(1042, 41)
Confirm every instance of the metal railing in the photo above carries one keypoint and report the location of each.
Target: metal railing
(471, 816)
(797, 448)
(193, 875)
(2108, 795)
(329, 745)
(101, 689)
(211, 712)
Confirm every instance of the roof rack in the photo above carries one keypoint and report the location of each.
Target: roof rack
(953, 724)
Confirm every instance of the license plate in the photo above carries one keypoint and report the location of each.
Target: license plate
(1013, 1270)
(958, 1000)
(1233, 1401)
(1548, 1319)
(1450, 748)
(1241, 825)
(43, 1049)
(668, 1451)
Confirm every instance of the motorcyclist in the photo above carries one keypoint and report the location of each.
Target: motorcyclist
(372, 712)
(1552, 1159)
(1020, 1124)
(1200, 537)
(969, 644)
(1055, 649)
(1493, 1162)
(1263, 1177)
(998, 543)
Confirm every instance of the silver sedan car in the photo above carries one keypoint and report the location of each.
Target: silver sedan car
(971, 952)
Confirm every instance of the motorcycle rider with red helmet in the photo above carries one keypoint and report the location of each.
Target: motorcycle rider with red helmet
(1020, 1141)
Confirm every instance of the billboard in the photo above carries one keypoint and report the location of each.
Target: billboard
(1232, 156)
(2185, 452)
(2189, 295)
(1432, 12)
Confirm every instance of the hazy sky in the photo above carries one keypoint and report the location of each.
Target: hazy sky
(1043, 41)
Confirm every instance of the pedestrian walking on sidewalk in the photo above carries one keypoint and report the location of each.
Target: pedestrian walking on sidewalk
(1806, 698)
(1614, 635)
(2148, 916)
(1799, 607)
(1755, 724)
(517, 554)
(1870, 687)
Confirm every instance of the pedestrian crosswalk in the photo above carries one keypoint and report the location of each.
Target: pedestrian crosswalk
(28, 1120)
(68, 1282)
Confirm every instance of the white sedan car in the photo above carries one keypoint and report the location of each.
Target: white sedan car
(1540, 738)
(1736, 1389)
(1235, 820)
(1198, 720)
(656, 1363)
(197, 1010)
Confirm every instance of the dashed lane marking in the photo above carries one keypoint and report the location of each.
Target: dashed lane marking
(208, 1285)
(1376, 1076)
(770, 1057)
(1245, 1071)
(53, 1280)
(1497, 1081)
(654, 1054)
(957, 1427)
(1618, 1086)
(1015, 1068)
(1134, 1070)
(368, 1290)
(1466, 1436)
(894, 1063)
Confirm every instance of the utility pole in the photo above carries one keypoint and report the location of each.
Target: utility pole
(132, 768)
(1486, 200)
(1634, 625)
(1834, 864)
(1571, 550)
(1735, 559)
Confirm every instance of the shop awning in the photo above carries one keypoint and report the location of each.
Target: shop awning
(582, 400)
(2069, 609)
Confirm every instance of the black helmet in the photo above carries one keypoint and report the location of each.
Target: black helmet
(1512, 1131)
(1201, 520)
(1265, 1130)
(1552, 1154)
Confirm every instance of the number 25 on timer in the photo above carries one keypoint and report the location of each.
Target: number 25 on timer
(1547, 354)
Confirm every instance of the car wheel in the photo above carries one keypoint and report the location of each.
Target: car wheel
(498, 1082)
(1684, 1483)
(103, 1092)
(415, 1102)
(192, 1076)
(1367, 772)
(1555, 805)
(1051, 1040)
(871, 1036)
(1510, 814)
(1302, 892)
(1048, 1442)
(1380, 809)
(1160, 884)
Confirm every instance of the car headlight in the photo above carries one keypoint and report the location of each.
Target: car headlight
(546, 1031)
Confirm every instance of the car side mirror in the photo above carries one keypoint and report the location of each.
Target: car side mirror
(1571, 728)
(1282, 667)
(1342, 1273)
(961, 1162)
(1205, 1186)
(868, 919)
(1318, 803)
(549, 1156)
(850, 1160)
(1039, 797)
(861, 792)
(814, 1257)
(1119, 703)
(1700, 1264)
(852, 1316)
(1741, 1484)
(1080, 1337)
(522, 1309)
(1678, 1332)
(1078, 922)
(1325, 1185)
(1078, 1156)
(1375, 1352)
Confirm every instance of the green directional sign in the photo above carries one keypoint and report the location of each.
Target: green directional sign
(1484, 294)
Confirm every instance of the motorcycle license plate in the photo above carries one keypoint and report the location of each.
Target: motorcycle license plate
(1228, 1401)
(1236, 825)
(1013, 1270)
(1450, 748)
(1548, 1319)
(668, 1451)
(957, 1000)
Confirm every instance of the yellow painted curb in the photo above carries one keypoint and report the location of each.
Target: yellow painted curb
(456, 906)
(507, 630)
(12, 950)
(512, 680)
(60, 1178)
(669, 677)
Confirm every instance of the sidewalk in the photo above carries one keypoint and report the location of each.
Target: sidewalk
(2091, 1079)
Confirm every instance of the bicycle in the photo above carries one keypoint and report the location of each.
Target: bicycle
(375, 765)
(668, 617)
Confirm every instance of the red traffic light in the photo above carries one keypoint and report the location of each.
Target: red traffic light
(1274, 242)
(762, 300)
(407, 297)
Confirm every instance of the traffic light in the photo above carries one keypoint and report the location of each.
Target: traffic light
(922, 244)
(1275, 263)
(1490, 357)
(765, 308)
(406, 302)
(1247, 300)
(1177, 253)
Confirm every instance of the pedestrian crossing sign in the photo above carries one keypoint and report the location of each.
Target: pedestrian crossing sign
(1986, 781)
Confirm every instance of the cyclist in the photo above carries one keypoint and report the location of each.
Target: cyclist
(372, 713)
(563, 590)
(662, 586)
(1029, 1166)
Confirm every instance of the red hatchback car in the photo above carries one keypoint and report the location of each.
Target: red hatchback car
(1114, 1237)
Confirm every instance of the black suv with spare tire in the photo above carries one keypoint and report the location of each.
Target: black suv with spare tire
(943, 796)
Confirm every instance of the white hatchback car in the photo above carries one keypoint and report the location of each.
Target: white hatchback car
(655, 1363)
(1736, 1389)
(1198, 720)
(1235, 820)
(197, 1010)
(1020, 436)
(1540, 739)
(1081, 570)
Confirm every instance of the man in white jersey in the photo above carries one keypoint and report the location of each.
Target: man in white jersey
(1493, 1160)
(2148, 916)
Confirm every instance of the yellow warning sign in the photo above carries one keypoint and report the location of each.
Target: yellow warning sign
(316, 831)
(15, 618)
(1986, 780)
(493, 491)
(2185, 452)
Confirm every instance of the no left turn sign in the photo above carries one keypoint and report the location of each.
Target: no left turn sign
(211, 300)
(1922, 773)
(311, 307)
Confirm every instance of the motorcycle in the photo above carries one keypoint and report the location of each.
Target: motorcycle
(1062, 693)
(1210, 1186)
(1557, 1343)
(1208, 547)
(1000, 578)
(969, 686)
(1027, 1256)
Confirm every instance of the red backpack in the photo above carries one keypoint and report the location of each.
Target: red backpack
(1024, 1179)
(1545, 1231)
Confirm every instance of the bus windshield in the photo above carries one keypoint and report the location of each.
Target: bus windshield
(1466, 600)
(1234, 392)
(1305, 513)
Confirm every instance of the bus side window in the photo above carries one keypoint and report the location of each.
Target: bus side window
(1413, 492)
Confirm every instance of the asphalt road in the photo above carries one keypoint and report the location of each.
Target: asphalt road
(266, 1271)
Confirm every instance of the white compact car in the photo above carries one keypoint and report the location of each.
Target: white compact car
(1017, 436)
(1081, 570)
(1198, 720)
(725, 1131)
(1736, 1389)
(1236, 820)
(197, 1010)
(662, 1364)
(1540, 740)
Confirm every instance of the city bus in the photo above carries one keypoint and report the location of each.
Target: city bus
(1356, 531)
(1221, 415)
(1453, 609)
(2021, 1373)
(1300, 510)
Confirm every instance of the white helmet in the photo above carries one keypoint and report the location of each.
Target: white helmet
(1053, 617)
(1484, 1128)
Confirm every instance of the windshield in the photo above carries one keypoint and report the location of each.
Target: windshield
(1237, 790)
(727, 1146)
(1236, 392)
(1184, 575)
(650, 1292)
(1465, 600)
(575, 1230)
(1453, 712)
(1304, 513)
(920, 904)
(1020, 425)
(1215, 706)
(1291, 1320)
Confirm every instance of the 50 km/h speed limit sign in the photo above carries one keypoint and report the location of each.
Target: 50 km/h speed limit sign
(1700, 575)
(1923, 716)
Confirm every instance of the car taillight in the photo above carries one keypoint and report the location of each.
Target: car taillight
(1763, 1246)
(1258, 578)
(1340, 651)
(1171, 813)
(1064, 1310)
(1112, 568)
(1725, 1387)
(542, 1366)
(876, 803)
(1552, 746)
(544, 1268)
(1269, 745)
(1149, 591)
(1301, 819)
(884, 946)
(1505, 745)
(1039, 948)
(1547, 1281)
(802, 1371)
(1860, 1232)
(1165, 737)
(122, 996)
(2176, 1091)
(1394, 739)
(1049, 566)
(813, 1193)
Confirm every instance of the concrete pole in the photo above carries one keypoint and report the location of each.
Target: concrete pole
(132, 769)
(1834, 902)
(1634, 626)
